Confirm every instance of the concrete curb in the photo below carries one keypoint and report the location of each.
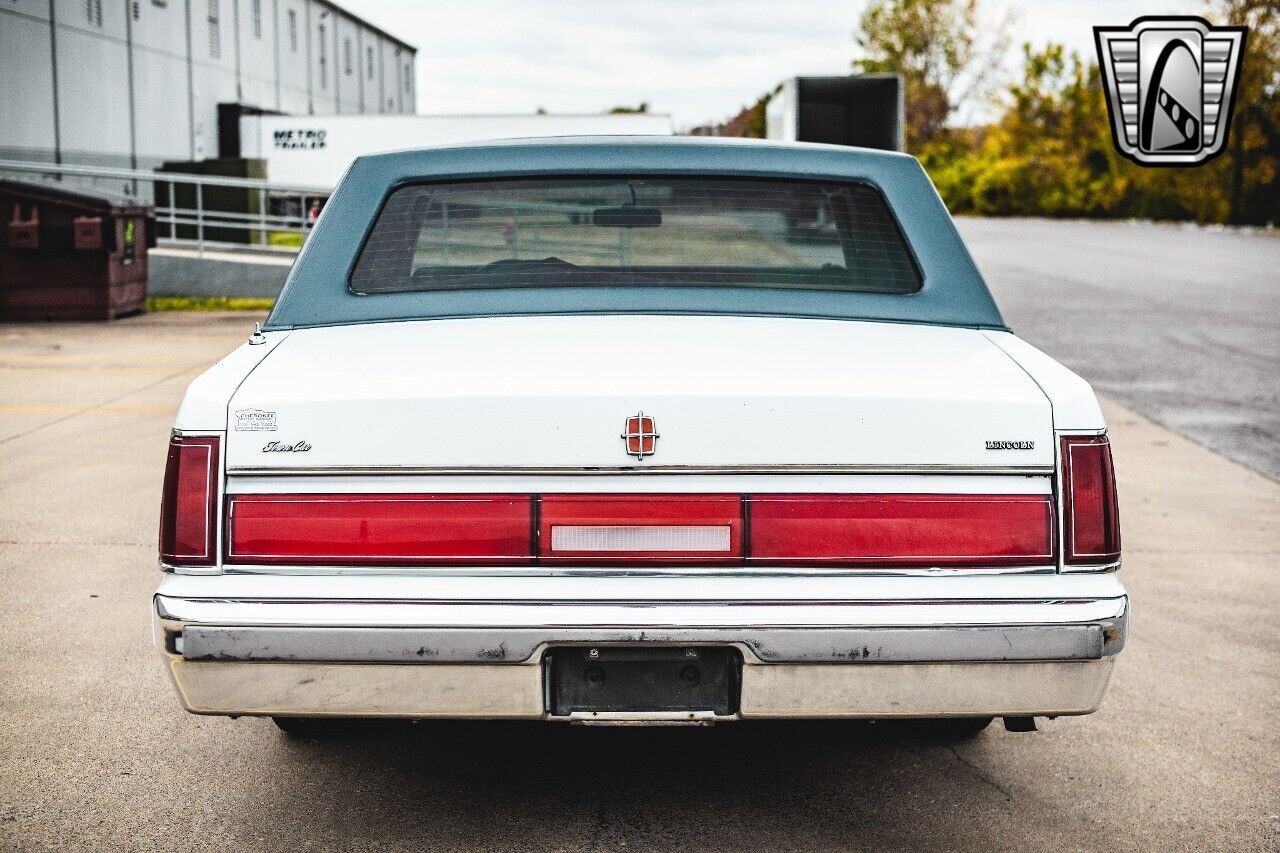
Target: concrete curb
(183, 272)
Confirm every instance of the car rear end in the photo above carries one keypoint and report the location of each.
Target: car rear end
(671, 434)
(434, 551)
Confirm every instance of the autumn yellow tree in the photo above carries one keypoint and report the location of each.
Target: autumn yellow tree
(1049, 152)
(1253, 155)
(948, 54)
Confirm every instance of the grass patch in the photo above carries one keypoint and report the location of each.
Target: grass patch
(209, 303)
(291, 239)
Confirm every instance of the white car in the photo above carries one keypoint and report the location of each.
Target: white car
(619, 430)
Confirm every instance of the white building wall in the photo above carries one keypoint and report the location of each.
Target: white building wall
(324, 86)
(161, 102)
(27, 126)
(295, 96)
(137, 82)
(390, 77)
(213, 70)
(408, 82)
(92, 81)
(257, 54)
(343, 51)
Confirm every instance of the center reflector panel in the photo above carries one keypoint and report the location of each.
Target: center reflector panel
(689, 529)
(709, 539)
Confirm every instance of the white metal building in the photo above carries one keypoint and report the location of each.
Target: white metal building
(133, 83)
(316, 151)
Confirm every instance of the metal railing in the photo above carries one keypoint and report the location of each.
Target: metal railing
(201, 211)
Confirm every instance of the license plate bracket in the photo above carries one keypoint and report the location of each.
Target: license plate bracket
(642, 679)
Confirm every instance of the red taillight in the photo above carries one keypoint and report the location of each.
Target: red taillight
(849, 530)
(689, 529)
(1090, 508)
(188, 506)
(917, 530)
(383, 529)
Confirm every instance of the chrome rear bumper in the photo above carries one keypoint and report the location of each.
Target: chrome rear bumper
(473, 647)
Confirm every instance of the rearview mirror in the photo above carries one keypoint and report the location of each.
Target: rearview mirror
(627, 217)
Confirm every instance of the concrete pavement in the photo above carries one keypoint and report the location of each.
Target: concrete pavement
(96, 755)
(1179, 322)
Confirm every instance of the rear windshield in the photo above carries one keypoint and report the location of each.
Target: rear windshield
(617, 231)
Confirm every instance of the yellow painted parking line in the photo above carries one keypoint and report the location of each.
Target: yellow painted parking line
(86, 409)
(53, 356)
(101, 368)
(69, 358)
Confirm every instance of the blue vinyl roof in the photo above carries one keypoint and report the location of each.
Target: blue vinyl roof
(316, 292)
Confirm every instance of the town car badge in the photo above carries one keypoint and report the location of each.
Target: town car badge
(641, 435)
(285, 447)
(1170, 84)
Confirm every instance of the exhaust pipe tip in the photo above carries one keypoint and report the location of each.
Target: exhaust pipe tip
(1020, 724)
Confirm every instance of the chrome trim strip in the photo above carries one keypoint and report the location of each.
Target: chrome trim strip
(735, 587)
(419, 470)
(224, 610)
(171, 569)
(979, 689)
(769, 645)
(508, 631)
(644, 718)
(601, 572)
(1095, 569)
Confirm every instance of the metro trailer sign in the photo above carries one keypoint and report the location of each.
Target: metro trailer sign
(315, 151)
(300, 139)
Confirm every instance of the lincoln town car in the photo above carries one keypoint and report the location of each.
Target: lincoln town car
(632, 430)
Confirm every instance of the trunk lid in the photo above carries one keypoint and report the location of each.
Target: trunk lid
(556, 392)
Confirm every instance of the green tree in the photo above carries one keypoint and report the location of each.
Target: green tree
(1243, 185)
(1252, 161)
(938, 48)
(1050, 153)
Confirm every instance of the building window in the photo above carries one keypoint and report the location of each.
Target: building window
(346, 56)
(215, 31)
(408, 79)
(293, 31)
(324, 59)
(93, 10)
(255, 14)
(368, 53)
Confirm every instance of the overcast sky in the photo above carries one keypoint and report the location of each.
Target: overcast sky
(699, 60)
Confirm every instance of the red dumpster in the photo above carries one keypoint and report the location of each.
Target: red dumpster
(71, 253)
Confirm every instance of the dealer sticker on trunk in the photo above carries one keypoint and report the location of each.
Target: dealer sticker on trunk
(255, 420)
